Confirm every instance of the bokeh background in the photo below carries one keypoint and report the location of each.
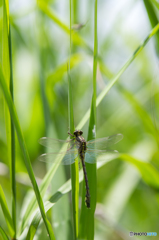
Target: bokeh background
(40, 45)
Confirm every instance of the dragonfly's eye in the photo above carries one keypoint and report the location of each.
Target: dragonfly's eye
(81, 132)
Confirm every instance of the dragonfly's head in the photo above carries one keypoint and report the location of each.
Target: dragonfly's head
(78, 133)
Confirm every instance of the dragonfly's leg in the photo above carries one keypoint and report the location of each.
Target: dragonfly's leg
(70, 134)
(70, 147)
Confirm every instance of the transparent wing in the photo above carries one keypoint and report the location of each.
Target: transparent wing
(65, 158)
(104, 143)
(55, 144)
(92, 156)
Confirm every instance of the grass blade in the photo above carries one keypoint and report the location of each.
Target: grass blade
(24, 151)
(87, 215)
(144, 116)
(4, 235)
(156, 3)
(76, 39)
(58, 73)
(6, 212)
(117, 76)
(13, 180)
(7, 69)
(46, 181)
(74, 166)
(153, 18)
(65, 188)
(148, 172)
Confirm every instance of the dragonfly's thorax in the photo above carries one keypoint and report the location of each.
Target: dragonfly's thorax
(81, 143)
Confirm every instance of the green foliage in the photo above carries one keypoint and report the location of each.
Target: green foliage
(51, 78)
(6, 212)
(87, 215)
(4, 235)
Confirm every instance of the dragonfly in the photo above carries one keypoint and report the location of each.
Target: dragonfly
(78, 146)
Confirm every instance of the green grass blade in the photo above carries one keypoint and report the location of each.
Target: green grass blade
(58, 73)
(5, 42)
(75, 11)
(46, 181)
(4, 235)
(76, 39)
(45, 8)
(24, 151)
(154, 19)
(74, 166)
(87, 215)
(65, 188)
(148, 172)
(144, 116)
(43, 187)
(117, 76)
(51, 172)
(7, 69)
(62, 209)
(156, 3)
(6, 212)
(13, 180)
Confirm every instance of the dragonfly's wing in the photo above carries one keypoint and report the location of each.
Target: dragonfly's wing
(65, 158)
(92, 156)
(104, 143)
(55, 143)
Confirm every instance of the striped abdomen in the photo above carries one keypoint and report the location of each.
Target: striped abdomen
(82, 156)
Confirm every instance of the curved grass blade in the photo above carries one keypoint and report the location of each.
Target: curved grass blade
(148, 172)
(49, 12)
(146, 168)
(25, 152)
(4, 235)
(6, 212)
(58, 73)
(32, 204)
(87, 215)
(154, 19)
(46, 181)
(50, 174)
(117, 76)
(53, 199)
(156, 3)
(139, 109)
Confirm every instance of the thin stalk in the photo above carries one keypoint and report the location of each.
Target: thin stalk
(13, 180)
(74, 166)
(75, 11)
(24, 151)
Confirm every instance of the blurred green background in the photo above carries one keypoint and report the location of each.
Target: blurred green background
(40, 46)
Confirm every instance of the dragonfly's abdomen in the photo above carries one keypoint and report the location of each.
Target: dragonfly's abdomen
(87, 199)
(82, 150)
